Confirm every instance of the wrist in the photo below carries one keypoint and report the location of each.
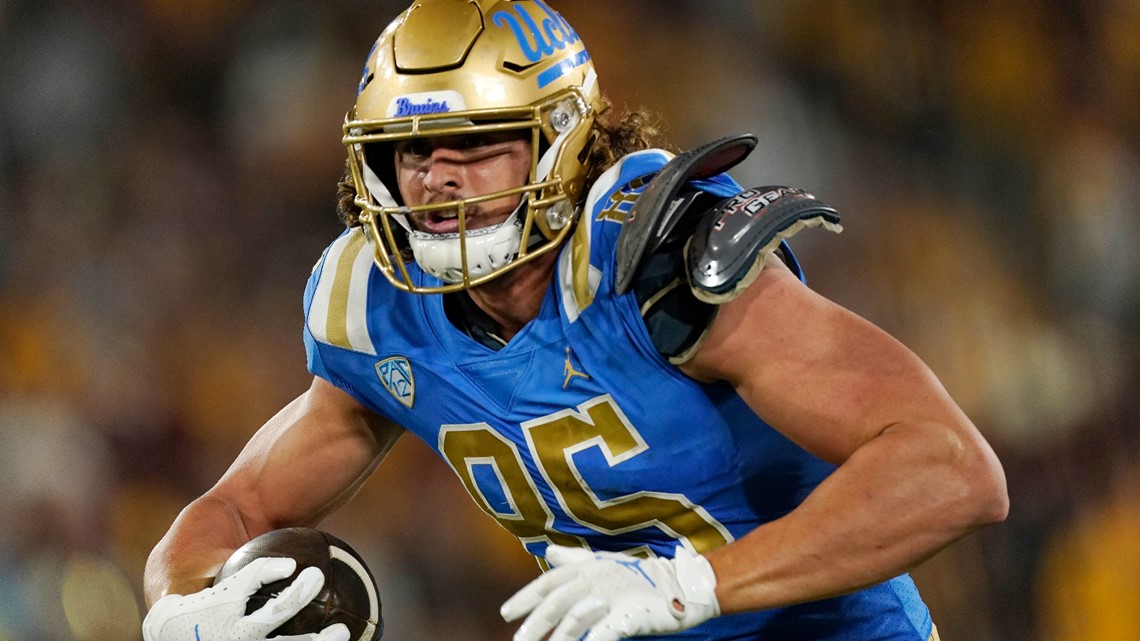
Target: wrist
(697, 581)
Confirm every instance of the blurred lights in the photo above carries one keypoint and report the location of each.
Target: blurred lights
(98, 601)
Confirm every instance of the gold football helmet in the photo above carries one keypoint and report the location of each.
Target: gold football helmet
(453, 67)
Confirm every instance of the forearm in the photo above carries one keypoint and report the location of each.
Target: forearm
(197, 544)
(897, 500)
(304, 463)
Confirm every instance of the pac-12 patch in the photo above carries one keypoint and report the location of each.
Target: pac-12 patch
(396, 375)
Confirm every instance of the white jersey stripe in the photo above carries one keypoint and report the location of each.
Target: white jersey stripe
(319, 307)
(578, 278)
(357, 307)
(337, 315)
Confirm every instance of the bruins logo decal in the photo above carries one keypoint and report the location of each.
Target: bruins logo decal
(396, 375)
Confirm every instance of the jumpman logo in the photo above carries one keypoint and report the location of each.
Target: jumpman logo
(635, 567)
(571, 372)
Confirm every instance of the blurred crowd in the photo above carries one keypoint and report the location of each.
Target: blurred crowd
(167, 172)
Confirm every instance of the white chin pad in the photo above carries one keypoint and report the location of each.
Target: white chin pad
(488, 249)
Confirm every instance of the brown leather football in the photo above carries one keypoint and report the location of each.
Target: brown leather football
(349, 595)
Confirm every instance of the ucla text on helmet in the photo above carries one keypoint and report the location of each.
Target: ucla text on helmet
(555, 35)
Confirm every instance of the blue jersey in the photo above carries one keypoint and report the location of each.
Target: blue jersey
(577, 431)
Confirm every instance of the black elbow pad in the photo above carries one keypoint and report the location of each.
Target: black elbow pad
(731, 243)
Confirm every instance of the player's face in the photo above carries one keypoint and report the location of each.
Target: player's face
(437, 170)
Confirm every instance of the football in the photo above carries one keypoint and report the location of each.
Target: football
(349, 595)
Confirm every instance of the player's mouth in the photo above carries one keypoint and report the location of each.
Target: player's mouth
(441, 222)
(446, 221)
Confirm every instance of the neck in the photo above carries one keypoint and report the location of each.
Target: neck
(513, 299)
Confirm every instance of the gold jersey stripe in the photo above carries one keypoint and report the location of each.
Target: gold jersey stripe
(578, 278)
(336, 326)
(584, 286)
(338, 314)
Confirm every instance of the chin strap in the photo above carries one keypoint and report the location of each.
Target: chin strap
(488, 249)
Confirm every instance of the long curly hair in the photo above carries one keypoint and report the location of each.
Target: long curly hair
(613, 138)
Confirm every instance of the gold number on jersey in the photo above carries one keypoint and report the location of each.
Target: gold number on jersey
(553, 441)
(600, 423)
(465, 446)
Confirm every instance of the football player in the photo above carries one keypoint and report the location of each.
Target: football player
(614, 349)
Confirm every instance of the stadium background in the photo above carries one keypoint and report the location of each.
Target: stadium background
(166, 183)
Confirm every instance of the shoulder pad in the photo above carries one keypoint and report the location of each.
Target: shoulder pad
(661, 205)
(729, 246)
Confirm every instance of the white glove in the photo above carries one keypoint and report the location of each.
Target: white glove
(612, 596)
(218, 613)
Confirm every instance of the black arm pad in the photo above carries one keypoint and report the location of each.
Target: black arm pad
(661, 206)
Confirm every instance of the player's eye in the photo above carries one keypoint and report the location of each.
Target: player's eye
(476, 141)
(415, 149)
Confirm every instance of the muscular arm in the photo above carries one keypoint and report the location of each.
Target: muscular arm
(914, 473)
(303, 464)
